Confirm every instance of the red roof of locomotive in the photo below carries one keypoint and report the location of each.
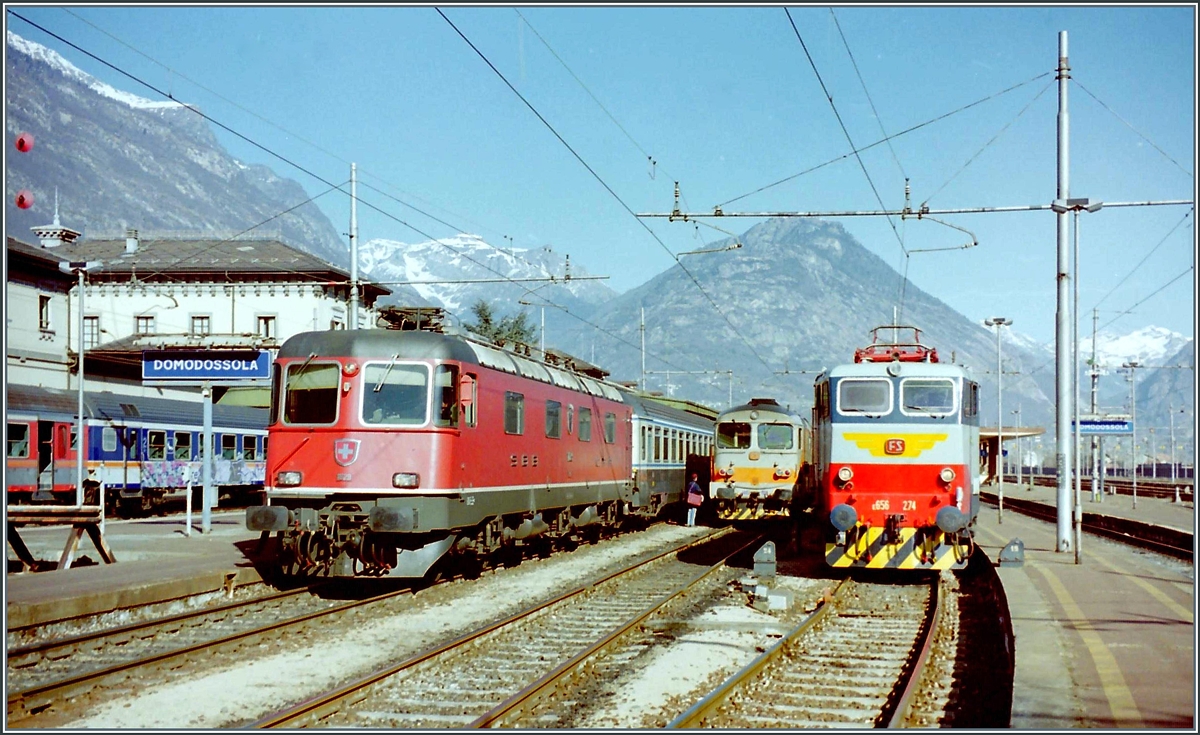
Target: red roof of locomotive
(896, 350)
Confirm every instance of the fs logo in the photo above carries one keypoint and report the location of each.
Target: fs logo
(345, 451)
(893, 446)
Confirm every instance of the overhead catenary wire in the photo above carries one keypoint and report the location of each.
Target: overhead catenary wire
(1140, 135)
(609, 189)
(865, 148)
(297, 166)
(173, 73)
(1147, 256)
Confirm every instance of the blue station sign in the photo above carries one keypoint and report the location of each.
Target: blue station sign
(1110, 426)
(201, 365)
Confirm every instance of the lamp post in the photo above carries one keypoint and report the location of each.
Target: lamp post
(997, 322)
(79, 268)
(1131, 366)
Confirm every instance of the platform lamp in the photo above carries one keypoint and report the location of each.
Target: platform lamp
(997, 322)
(79, 267)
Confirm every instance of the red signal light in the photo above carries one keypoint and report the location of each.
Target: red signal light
(24, 199)
(24, 142)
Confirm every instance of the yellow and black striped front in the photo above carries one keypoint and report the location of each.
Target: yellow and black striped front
(910, 548)
(744, 512)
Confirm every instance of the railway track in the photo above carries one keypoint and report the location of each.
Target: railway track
(43, 674)
(1146, 487)
(519, 671)
(1169, 541)
(855, 662)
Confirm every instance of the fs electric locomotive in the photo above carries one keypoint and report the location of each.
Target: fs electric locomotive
(391, 448)
(897, 442)
(761, 461)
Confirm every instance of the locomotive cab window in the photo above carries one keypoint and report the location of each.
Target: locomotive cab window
(870, 396)
(311, 393)
(775, 436)
(971, 400)
(932, 396)
(514, 413)
(395, 394)
(553, 419)
(733, 435)
(445, 386)
(18, 441)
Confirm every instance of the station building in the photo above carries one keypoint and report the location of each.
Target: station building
(160, 293)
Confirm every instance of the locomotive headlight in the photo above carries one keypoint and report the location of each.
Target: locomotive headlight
(407, 480)
(947, 475)
(291, 478)
(845, 474)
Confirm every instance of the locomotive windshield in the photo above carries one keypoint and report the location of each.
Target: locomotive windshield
(775, 436)
(927, 395)
(311, 394)
(865, 396)
(733, 435)
(395, 394)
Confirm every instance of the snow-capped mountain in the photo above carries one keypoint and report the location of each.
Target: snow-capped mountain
(117, 161)
(1148, 346)
(455, 272)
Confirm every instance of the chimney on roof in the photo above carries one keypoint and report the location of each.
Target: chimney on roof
(131, 241)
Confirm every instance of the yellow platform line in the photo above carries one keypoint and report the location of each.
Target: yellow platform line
(1153, 591)
(1116, 691)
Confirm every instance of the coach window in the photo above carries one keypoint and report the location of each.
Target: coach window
(183, 446)
(657, 443)
(18, 441)
(311, 393)
(249, 448)
(585, 425)
(610, 428)
(444, 392)
(733, 435)
(869, 396)
(775, 436)
(108, 439)
(553, 419)
(395, 394)
(514, 413)
(156, 445)
(934, 396)
(229, 446)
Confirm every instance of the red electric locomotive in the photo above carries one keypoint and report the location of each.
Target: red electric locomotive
(896, 438)
(390, 449)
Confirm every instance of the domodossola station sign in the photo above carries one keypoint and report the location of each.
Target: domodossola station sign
(202, 365)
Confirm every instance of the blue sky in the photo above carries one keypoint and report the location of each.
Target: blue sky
(725, 101)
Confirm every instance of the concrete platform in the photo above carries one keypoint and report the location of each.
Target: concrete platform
(1108, 643)
(156, 561)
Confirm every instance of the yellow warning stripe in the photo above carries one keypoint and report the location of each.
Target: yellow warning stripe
(1183, 613)
(904, 554)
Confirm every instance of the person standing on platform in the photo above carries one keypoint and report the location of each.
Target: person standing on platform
(695, 498)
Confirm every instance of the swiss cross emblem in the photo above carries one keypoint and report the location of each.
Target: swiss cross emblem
(345, 451)
(893, 446)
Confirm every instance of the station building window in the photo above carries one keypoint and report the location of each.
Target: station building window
(44, 313)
